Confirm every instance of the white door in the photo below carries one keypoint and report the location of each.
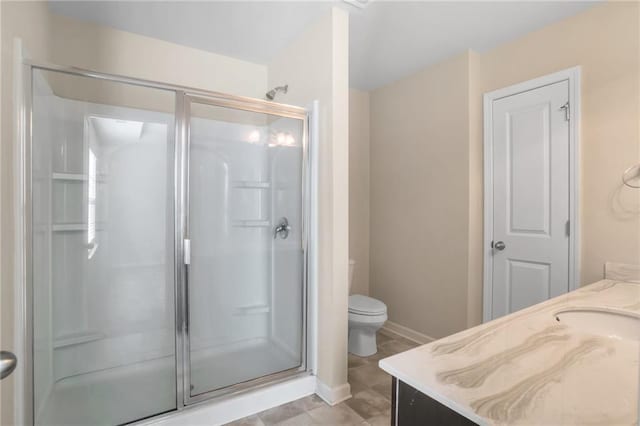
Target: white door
(530, 197)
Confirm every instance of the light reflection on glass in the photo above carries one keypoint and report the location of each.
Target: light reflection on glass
(91, 205)
(254, 137)
(282, 139)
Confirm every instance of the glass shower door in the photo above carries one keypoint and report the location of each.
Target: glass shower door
(245, 286)
(102, 243)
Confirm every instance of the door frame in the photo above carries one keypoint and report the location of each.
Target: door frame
(184, 100)
(572, 76)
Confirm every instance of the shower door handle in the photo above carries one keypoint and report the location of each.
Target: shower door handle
(8, 362)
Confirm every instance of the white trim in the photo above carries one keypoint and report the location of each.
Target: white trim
(335, 395)
(225, 410)
(312, 261)
(572, 75)
(407, 333)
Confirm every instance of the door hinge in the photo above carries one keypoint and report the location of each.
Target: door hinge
(187, 252)
(567, 111)
(568, 228)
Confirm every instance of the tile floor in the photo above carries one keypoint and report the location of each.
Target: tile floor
(369, 405)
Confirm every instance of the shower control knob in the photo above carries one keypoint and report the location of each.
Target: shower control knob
(499, 245)
(282, 229)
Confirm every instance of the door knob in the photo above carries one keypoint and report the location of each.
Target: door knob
(499, 245)
(8, 362)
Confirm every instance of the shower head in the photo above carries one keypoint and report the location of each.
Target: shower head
(271, 94)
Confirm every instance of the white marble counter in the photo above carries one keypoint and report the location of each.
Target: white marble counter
(529, 368)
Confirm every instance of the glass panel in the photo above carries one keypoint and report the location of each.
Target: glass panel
(103, 281)
(245, 284)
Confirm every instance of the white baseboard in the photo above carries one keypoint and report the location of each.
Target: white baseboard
(229, 409)
(407, 333)
(333, 396)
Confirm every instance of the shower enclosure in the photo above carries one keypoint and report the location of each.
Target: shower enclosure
(165, 245)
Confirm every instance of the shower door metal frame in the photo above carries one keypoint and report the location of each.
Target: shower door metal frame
(24, 261)
(183, 138)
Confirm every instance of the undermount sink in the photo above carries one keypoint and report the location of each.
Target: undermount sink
(614, 324)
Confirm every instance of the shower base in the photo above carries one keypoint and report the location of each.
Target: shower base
(133, 392)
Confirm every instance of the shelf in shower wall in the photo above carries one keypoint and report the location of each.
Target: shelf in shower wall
(72, 227)
(251, 184)
(252, 309)
(251, 224)
(74, 177)
(76, 339)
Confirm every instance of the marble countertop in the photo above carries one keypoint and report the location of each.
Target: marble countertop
(530, 368)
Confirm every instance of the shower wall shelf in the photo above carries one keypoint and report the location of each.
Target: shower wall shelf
(74, 177)
(72, 227)
(252, 309)
(251, 223)
(248, 184)
(77, 338)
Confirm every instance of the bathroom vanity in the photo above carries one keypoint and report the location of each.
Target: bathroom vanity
(570, 360)
(409, 406)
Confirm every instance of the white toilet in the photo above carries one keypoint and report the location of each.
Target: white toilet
(366, 316)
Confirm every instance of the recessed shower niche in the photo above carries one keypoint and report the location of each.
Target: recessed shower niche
(161, 272)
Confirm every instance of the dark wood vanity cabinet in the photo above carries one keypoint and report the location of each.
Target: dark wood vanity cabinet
(410, 407)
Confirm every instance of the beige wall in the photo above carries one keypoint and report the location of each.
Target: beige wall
(429, 271)
(87, 45)
(419, 197)
(359, 189)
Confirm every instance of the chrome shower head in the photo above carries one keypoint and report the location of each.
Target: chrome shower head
(271, 94)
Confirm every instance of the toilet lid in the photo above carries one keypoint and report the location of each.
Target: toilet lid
(364, 305)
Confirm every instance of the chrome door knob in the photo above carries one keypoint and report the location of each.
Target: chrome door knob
(499, 245)
(8, 362)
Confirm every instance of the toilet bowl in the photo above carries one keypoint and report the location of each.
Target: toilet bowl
(366, 316)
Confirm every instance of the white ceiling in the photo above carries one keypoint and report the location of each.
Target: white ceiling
(388, 39)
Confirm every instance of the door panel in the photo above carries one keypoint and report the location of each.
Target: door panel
(531, 197)
(528, 281)
(245, 280)
(102, 260)
(527, 146)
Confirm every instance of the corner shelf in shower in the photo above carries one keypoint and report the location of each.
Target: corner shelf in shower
(251, 224)
(252, 309)
(74, 177)
(76, 339)
(72, 227)
(251, 184)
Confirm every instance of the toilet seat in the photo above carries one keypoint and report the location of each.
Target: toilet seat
(367, 306)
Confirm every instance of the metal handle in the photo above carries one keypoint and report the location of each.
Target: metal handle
(282, 229)
(8, 362)
(499, 245)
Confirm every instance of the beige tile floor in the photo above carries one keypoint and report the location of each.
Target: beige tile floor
(369, 405)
